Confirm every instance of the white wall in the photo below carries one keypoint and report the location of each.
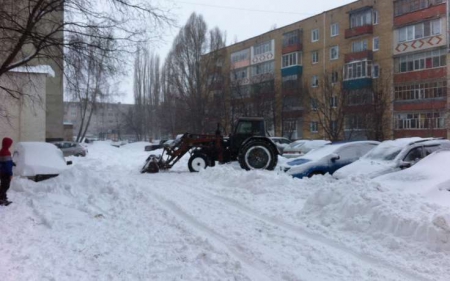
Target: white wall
(23, 119)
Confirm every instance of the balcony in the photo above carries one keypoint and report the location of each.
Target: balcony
(419, 15)
(292, 70)
(298, 47)
(367, 54)
(292, 42)
(355, 84)
(358, 31)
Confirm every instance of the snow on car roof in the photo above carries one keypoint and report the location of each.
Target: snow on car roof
(390, 149)
(328, 149)
(33, 158)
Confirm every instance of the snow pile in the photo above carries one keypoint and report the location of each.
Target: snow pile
(428, 178)
(369, 208)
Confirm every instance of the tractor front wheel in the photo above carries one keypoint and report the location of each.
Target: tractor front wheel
(257, 154)
(197, 162)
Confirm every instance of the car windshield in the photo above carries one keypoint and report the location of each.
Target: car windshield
(319, 153)
(296, 144)
(386, 151)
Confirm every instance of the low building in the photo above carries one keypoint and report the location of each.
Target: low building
(23, 108)
(107, 122)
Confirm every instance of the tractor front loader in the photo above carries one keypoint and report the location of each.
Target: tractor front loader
(249, 145)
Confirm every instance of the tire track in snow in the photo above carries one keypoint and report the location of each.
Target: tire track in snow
(206, 195)
(257, 271)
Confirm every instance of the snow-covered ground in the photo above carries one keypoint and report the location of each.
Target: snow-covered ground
(103, 220)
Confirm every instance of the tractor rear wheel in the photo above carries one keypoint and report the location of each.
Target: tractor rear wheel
(257, 154)
(197, 162)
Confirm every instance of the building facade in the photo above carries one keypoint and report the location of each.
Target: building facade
(109, 121)
(370, 69)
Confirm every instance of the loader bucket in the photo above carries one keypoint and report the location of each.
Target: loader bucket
(151, 165)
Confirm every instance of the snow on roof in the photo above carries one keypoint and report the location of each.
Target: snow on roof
(40, 69)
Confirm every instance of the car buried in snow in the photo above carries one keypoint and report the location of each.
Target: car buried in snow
(38, 160)
(327, 159)
(301, 147)
(391, 156)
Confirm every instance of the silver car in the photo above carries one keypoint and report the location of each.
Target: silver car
(70, 148)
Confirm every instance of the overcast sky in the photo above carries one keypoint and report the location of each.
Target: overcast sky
(241, 19)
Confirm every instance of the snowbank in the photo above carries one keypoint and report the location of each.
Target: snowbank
(369, 208)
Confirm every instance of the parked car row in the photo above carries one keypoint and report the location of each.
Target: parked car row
(368, 158)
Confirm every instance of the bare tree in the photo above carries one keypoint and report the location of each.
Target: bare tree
(90, 69)
(328, 104)
(37, 31)
(190, 74)
(377, 117)
(147, 91)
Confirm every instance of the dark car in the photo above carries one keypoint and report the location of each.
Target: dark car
(70, 148)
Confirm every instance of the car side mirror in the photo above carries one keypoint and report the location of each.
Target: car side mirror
(334, 157)
(69, 162)
(404, 165)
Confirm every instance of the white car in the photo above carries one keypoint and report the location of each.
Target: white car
(38, 160)
(301, 147)
(391, 156)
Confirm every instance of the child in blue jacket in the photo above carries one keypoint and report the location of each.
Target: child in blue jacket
(6, 174)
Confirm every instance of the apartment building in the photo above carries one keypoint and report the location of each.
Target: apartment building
(369, 69)
(108, 122)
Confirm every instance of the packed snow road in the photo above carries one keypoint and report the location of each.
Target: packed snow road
(103, 220)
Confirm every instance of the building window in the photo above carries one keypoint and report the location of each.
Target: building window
(354, 122)
(262, 48)
(334, 29)
(376, 44)
(291, 59)
(314, 127)
(315, 81)
(419, 91)
(263, 68)
(291, 38)
(334, 53)
(357, 70)
(420, 61)
(239, 74)
(315, 35)
(314, 105)
(375, 17)
(334, 77)
(402, 7)
(240, 56)
(359, 46)
(361, 19)
(333, 101)
(419, 31)
(359, 98)
(376, 71)
(315, 57)
(420, 121)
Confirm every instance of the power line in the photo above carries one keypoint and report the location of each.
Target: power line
(245, 9)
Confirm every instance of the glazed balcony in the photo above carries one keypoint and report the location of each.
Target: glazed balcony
(292, 42)
(358, 31)
(355, 84)
(367, 54)
(433, 11)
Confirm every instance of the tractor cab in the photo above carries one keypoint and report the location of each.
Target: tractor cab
(245, 128)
